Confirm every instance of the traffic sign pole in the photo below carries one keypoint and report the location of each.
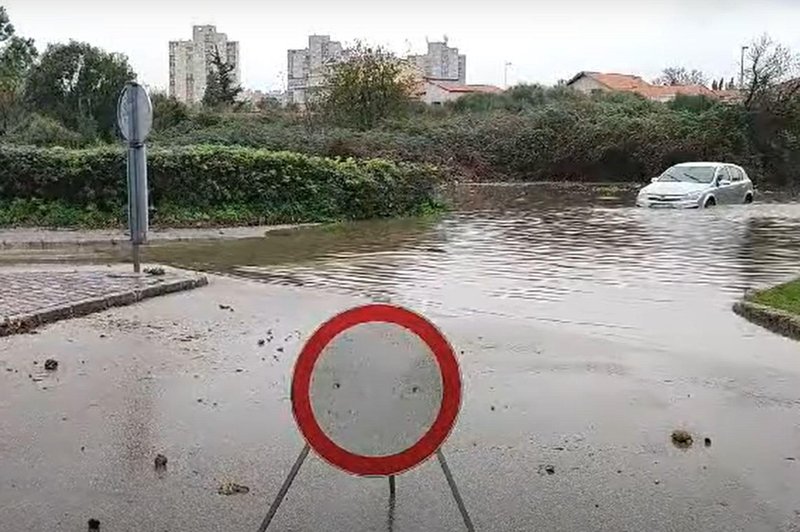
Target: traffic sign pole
(135, 118)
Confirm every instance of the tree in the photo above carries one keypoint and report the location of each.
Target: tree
(16, 57)
(731, 85)
(768, 65)
(221, 87)
(367, 86)
(714, 86)
(6, 28)
(79, 85)
(680, 76)
(167, 111)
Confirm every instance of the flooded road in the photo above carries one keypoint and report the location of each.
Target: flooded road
(568, 257)
(587, 332)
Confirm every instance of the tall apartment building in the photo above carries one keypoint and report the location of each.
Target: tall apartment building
(307, 68)
(441, 63)
(190, 62)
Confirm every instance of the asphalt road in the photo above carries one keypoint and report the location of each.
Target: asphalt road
(181, 376)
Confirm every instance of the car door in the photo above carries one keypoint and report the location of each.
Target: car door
(740, 186)
(725, 189)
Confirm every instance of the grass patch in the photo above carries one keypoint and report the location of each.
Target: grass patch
(782, 297)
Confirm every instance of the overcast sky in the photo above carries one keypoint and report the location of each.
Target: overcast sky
(545, 40)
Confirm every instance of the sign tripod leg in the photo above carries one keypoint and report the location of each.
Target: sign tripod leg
(454, 489)
(273, 509)
(392, 500)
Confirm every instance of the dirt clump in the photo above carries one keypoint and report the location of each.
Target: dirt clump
(231, 488)
(681, 439)
(160, 462)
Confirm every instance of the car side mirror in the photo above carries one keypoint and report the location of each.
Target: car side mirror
(653, 179)
(723, 182)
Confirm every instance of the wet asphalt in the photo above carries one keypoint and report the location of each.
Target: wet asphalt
(561, 427)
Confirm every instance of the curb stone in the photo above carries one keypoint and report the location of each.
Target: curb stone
(777, 321)
(26, 322)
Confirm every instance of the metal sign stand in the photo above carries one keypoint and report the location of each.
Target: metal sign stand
(135, 118)
(448, 475)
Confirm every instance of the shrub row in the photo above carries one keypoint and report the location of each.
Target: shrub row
(530, 133)
(210, 184)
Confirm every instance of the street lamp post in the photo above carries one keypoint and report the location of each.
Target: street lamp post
(741, 68)
(505, 74)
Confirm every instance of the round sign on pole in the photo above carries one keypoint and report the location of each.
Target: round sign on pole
(134, 113)
(376, 390)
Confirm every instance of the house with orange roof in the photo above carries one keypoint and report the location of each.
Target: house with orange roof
(438, 92)
(589, 82)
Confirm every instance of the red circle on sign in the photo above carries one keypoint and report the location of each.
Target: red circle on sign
(428, 443)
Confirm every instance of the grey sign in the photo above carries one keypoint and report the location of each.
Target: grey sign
(134, 113)
(376, 389)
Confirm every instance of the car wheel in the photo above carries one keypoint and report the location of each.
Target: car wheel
(748, 198)
(710, 202)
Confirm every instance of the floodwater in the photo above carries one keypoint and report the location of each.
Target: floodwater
(587, 331)
(561, 255)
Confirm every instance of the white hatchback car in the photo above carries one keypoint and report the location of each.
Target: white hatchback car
(692, 185)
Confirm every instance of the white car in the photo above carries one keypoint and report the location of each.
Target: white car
(692, 185)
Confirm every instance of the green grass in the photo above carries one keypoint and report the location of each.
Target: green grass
(783, 297)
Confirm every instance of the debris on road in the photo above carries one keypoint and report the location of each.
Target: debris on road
(160, 461)
(231, 488)
(682, 439)
(225, 307)
(51, 364)
(155, 270)
(261, 341)
(94, 524)
(550, 470)
(707, 442)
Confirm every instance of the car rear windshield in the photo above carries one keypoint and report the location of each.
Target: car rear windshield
(689, 174)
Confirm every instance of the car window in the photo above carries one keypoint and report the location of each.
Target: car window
(722, 173)
(736, 174)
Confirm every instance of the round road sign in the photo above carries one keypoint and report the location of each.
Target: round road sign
(134, 113)
(376, 390)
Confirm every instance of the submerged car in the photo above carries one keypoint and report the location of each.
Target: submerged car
(693, 185)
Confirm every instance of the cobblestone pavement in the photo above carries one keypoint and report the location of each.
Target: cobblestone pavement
(32, 298)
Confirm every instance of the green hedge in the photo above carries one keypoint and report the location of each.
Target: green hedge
(213, 184)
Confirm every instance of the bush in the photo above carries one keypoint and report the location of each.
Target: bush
(210, 184)
(43, 131)
(528, 133)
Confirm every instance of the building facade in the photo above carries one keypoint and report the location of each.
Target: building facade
(307, 68)
(190, 62)
(441, 63)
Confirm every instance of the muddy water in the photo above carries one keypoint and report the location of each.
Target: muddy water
(581, 258)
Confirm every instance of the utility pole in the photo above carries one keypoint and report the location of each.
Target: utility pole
(741, 68)
(505, 74)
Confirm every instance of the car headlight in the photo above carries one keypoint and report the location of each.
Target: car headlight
(694, 195)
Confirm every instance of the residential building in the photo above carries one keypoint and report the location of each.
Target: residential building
(190, 62)
(589, 82)
(308, 67)
(436, 92)
(441, 63)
